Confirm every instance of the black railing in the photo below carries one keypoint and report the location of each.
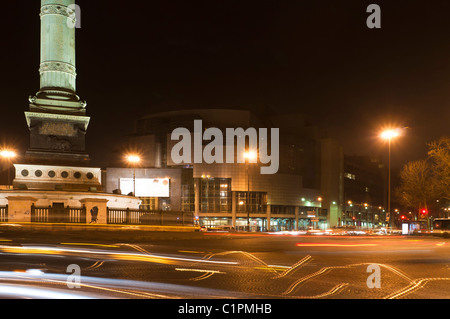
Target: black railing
(147, 217)
(51, 214)
(4, 214)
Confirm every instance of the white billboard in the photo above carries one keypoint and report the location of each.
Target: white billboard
(146, 187)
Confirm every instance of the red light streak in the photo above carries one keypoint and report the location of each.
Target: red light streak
(332, 245)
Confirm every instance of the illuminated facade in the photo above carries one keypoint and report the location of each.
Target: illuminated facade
(306, 192)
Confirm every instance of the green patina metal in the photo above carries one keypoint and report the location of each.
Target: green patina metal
(57, 115)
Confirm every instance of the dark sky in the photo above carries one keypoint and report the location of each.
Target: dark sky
(314, 57)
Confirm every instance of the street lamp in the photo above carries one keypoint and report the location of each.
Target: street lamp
(133, 159)
(250, 157)
(8, 155)
(388, 135)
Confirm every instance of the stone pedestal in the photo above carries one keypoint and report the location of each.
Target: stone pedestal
(19, 208)
(100, 203)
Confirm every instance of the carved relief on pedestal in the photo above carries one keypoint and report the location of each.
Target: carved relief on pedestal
(59, 144)
(58, 129)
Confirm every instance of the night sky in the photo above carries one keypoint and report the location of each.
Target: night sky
(315, 57)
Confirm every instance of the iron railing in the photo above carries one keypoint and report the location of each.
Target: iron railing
(49, 214)
(4, 214)
(148, 217)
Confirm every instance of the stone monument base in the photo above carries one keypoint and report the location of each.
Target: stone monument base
(20, 203)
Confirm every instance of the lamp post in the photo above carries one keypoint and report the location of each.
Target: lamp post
(250, 156)
(134, 160)
(389, 135)
(8, 155)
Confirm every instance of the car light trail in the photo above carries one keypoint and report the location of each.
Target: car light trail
(325, 270)
(89, 244)
(37, 293)
(413, 286)
(146, 257)
(333, 245)
(206, 273)
(297, 265)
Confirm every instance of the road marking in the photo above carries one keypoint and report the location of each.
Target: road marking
(413, 286)
(191, 251)
(96, 265)
(89, 244)
(207, 273)
(297, 265)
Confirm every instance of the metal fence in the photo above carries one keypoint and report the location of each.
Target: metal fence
(146, 217)
(51, 214)
(4, 214)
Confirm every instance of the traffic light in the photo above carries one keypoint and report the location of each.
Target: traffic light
(424, 211)
(403, 217)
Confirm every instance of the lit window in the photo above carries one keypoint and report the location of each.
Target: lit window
(350, 176)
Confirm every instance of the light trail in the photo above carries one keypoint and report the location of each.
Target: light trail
(297, 265)
(246, 254)
(325, 270)
(333, 245)
(413, 286)
(145, 257)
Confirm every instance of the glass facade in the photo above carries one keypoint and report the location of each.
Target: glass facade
(215, 195)
(149, 203)
(257, 202)
(187, 198)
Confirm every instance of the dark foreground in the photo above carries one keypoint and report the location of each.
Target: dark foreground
(52, 262)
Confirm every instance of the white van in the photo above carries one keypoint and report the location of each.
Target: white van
(441, 226)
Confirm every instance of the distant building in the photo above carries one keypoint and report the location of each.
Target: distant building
(365, 190)
(307, 190)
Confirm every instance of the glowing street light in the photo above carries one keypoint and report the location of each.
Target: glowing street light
(388, 135)
(133, 159)
(8, 155)
(251, 157)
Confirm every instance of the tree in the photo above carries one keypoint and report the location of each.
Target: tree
(417, 186)
(424, 182)
(439, 156)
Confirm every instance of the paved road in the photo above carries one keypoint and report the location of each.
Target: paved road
(222, 265)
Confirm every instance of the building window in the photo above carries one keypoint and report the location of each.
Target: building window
(350, 176)
(282, 210)
(215, 194)
(257, 202)
(149, 203)
(187, 198)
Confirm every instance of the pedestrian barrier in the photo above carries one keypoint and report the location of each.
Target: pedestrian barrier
(148, 217)
(58, 214)
(4, 214)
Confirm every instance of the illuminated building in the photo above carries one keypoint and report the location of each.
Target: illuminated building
(306, 192)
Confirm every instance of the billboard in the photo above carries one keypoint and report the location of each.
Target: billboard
(146, 187)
